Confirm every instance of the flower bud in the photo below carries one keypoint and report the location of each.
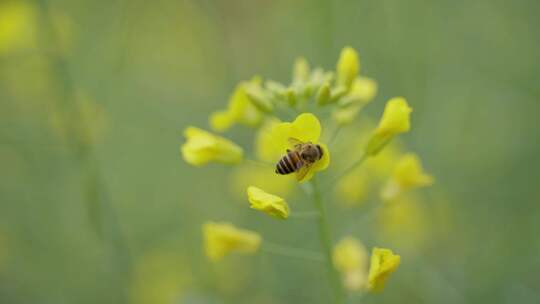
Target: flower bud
(348, 67)
(300, 70)
(259, 97)
(323, 95)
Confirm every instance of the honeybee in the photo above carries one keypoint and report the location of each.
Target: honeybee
(299, 159)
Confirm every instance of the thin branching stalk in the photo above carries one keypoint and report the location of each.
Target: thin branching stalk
(304, 215)
(291, 252)
(101, 212)
(334, 135)
(326, 243)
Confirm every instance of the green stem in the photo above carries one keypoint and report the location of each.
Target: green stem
(291, 252)
(326, 243)
(334, 135)
(101, 212)
(304, 215)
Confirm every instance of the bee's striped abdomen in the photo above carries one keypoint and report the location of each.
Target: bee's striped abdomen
(289, 163)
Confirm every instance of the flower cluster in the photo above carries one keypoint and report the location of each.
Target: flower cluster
(289, 141)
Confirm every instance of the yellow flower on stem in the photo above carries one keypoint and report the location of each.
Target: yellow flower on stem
(408, 174)
(221, 239)
(395, 120)
(383, 263)
(239, 110)
(362, 92)
(350, 258)
(347, 67)
(203, 147)
(268, 203)
(273, 142)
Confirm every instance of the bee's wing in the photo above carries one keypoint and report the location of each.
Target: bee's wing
(302, 171)
(294, 142)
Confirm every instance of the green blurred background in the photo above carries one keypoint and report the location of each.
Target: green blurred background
(118, 220)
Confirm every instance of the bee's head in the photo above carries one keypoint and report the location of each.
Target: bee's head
(311, 153)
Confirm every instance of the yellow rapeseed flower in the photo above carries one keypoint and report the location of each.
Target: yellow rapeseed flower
(383, 263)
(362, 92)
(221, 239)
(347, 67)
(408, 174)
(395, 120)
(239, 110)
(203, 147)
(350, 258)
(273, 142)
(353, 189)
(267, 203)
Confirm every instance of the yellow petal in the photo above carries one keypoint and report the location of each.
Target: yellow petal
(348, 67)
(350, 258)
(239, 110)
(306, 127)
(408, 174)
(221, 121)
(395, 120)
(349, 255)
(364, 89)
(240, 107)
(396, 117)
(383, 263)
(221, 239)
(202, 147)
(265, 147)
(268, 203)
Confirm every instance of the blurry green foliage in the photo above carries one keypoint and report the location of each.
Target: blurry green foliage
(470, 70)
